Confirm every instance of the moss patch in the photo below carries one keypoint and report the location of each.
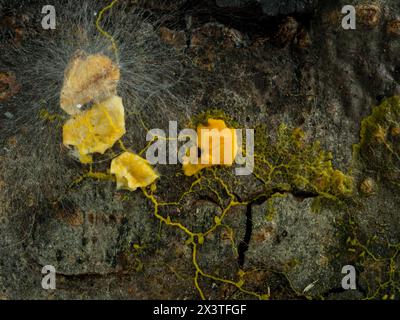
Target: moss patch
(290, 164)
(379, 147)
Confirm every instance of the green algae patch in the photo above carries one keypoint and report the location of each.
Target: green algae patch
(379, 147)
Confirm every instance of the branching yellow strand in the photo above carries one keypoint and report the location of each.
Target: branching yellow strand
(105, 33)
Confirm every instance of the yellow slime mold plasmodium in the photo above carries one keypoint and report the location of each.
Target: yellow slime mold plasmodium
(87, 79)
(218, 146)
(132, 171)
(97, 129)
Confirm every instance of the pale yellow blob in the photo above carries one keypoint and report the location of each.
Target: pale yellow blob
(88, 79)
(97, 129)
(132, 171)
(218, 146)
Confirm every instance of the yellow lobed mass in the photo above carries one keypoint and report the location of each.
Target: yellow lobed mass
(87, 79)
(97, 129)
(132, 171)
(222, 147)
